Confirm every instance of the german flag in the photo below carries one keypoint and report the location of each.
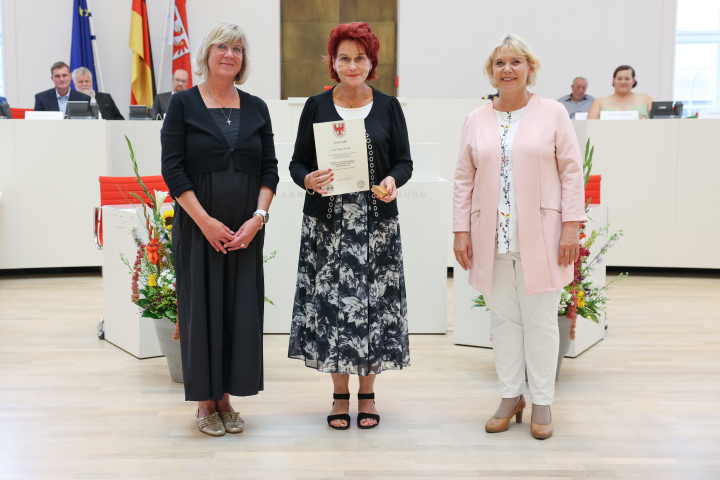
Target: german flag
(142, 89)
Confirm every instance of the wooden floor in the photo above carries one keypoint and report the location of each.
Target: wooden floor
(642, 404)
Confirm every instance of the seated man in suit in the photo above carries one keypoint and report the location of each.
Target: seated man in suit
(82, 78)
(179, 83)
(56, 99)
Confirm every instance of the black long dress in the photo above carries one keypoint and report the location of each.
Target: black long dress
(220, 296)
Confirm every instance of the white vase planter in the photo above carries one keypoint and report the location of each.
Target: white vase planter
(165, 329)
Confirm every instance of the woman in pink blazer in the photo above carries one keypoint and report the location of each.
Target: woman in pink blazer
(518, 202)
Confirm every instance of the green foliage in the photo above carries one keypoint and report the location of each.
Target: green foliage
(139, 179)
(587, 162)
(267, 258)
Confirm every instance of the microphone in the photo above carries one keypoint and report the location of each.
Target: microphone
(153, 115)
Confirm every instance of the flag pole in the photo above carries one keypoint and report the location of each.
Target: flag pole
(96, 57)
(165, 41)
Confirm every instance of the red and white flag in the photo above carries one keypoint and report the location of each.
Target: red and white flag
(180, 40)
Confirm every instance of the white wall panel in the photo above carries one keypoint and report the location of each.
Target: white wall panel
(442, 46)
(9, 235)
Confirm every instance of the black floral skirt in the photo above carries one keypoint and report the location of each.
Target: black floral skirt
(350, 309)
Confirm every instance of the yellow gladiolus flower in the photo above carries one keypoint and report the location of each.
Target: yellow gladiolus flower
(152, 281)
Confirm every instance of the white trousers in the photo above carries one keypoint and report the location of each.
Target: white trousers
(524, 332)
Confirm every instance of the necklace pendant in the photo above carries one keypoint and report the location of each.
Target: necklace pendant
(229, 121)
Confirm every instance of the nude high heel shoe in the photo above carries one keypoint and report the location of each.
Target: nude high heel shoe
(497, 425)
(541, 432)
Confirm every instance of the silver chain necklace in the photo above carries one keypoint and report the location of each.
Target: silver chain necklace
(509, 117)
(348, 101)
(221, 105)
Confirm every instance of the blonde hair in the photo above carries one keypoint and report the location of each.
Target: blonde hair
(227, 33)
(518, 46)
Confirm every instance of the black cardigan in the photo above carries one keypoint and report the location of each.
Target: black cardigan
(388, 132)
(192, 143)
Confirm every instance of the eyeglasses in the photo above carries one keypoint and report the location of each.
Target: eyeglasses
(222, 49)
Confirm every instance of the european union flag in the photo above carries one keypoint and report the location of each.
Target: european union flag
(81, 52)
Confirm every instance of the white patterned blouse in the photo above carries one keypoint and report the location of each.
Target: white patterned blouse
(506, 234)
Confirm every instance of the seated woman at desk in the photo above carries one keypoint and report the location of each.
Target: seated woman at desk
(623, 99)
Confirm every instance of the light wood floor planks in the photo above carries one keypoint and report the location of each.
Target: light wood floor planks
(642, 404)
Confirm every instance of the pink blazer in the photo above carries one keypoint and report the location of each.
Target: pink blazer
(549, 190)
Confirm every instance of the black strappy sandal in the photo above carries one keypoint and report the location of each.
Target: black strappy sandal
(339, 416)
(362, 416)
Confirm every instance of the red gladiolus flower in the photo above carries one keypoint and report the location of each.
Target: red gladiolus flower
(152, 253)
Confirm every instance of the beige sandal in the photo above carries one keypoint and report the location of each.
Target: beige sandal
(211, 425)
(232, 422)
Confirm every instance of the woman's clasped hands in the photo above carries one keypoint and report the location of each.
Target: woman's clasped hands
(245, 235)
(225, 240)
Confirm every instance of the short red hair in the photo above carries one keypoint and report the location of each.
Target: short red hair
(359, 32)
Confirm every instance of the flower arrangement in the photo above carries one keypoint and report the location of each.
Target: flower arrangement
(153, 270)
(153, 283)
(584, 296)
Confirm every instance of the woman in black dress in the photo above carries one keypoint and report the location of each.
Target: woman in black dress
(218, 160)
(350, 311)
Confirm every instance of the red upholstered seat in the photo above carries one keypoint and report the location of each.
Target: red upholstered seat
(19, 113)
(592, 189)
(117, 191)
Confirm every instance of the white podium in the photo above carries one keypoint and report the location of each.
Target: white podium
(472, 325)
(124, 327)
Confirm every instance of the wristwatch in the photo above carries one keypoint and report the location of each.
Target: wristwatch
(264, 216)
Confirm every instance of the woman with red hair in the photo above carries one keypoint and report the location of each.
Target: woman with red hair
(350, 311)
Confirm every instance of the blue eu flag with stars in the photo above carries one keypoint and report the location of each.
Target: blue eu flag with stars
(81, 51)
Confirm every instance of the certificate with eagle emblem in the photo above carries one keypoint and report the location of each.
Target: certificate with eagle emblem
(341, 147)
